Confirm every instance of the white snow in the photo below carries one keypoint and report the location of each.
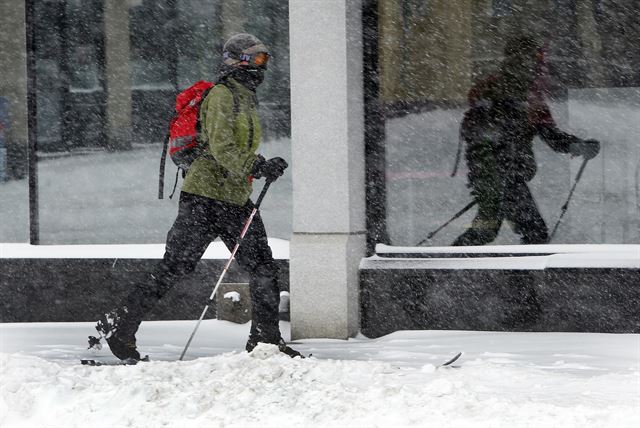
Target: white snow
(512, 249)
(533, 257)
(216, 250)
(234, 296)
(503, 380)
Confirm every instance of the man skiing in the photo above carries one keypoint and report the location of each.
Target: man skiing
(214, 202)
(506, 112)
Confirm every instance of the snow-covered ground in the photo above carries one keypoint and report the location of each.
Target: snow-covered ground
(503, 380)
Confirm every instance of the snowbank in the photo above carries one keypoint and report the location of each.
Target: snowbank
(505, 380)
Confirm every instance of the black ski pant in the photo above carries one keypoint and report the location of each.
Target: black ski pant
(516, 205)
(200, 221)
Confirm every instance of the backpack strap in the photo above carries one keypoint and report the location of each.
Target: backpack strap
(458, 154)
(163, 160)
(198, 124)
(175, 183)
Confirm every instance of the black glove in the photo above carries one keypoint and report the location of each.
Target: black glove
(270, 169)
(588, 149)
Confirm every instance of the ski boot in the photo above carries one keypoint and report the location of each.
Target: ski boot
(280, 343)
(119, 334)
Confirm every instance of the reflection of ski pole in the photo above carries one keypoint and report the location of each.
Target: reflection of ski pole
(566, 204)
(456, 215)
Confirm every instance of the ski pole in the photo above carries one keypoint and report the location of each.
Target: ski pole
(566, 204)
(226, 266)
(456, 215)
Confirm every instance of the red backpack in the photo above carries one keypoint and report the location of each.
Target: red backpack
(182, 140)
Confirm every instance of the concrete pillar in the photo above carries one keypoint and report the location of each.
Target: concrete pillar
(117, 53)
(13, 84)
(327, 129)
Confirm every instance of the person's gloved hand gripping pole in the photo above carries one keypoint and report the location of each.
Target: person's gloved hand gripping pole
(271, 169)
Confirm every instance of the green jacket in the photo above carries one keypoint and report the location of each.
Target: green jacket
(231, 139)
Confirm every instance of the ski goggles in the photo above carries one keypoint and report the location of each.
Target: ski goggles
(259, 59)
(252, 59)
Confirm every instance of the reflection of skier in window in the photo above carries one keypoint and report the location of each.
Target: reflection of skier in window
(507, 111)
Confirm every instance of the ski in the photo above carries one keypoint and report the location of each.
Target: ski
(451, 361)
(132, 362)
(103, 363)
(127, 362)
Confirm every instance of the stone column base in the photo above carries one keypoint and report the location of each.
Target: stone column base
(324, 285)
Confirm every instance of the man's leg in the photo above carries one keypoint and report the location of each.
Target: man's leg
(486, 185)
(486, 224)
(187, 240)
(523, 213)
(254, 256)
(483, 230)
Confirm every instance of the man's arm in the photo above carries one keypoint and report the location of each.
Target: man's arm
(558, 140)
(566, 143)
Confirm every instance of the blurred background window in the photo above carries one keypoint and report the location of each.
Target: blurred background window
(433, 53)
(107, 74)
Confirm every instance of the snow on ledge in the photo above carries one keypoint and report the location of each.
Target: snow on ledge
(512, 249)
(551, 256)
(216, 250)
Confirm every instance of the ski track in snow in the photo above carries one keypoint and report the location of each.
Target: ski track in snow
(505, 380)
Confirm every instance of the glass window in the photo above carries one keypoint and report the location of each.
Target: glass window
(14, 190)
(199, 40)
(14, 186)
(151, 75)
(273, 28)
(535, 110)
(83, 42)
(49, 96)
(85, 75)
(501, 7)
(101, 124)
